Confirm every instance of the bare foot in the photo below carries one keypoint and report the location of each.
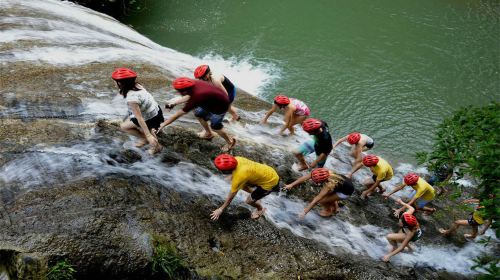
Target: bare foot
(443, 231)
(155, 150)
(228, 147)
(205, 135)
(257, 214)
(141, 143)
(469, 236)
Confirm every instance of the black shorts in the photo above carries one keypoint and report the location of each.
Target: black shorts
(259, 192)
(370, 145)
(374, 177)
(153, 122)
(471, 221)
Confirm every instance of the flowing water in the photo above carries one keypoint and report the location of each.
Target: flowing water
(66, 34)
(391, 69)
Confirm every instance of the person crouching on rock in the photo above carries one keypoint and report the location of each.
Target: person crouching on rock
(409, 232)
(321, 144)
(147, 113)
(360, 143)
(296, 112)
(423, 193)
(382, 171)
(255, 178)
(204, 73)
(209, 103)
(335, 187)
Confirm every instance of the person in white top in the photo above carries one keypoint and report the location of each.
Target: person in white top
(147, 115)
(360, 143)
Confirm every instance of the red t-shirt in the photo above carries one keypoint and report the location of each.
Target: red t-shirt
(208, 97)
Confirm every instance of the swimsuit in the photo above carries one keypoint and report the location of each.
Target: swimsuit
(301, 108)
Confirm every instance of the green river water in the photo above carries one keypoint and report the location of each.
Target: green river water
(390, 69)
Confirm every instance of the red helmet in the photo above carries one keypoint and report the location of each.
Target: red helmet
(282, 100)
(311, 125)
(353, 138)
(201, 71)
(370, 160)
(123, 73)
(225, 162)
(411, 179)
(320, 175)
(182, 83)
(409, 220)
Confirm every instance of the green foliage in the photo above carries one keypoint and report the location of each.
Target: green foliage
(166, 260)
(470, 143)
(488, 266)
(62, 270)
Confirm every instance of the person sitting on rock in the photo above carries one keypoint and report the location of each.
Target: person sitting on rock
(409, 232)
(147, 114)
(257, 179)
(296, 112)
(360, 143)
(335, 187)
(423, 193)
(321, 144)
(209, 103)
(475, 220)
(204, 73)
(382, 171)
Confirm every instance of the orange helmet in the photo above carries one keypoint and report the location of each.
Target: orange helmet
(320, 175)
(311, 125)
(182, 83)
(201, 71)
(411, 179)
(225, 162)
(370, 160)
(123, 73)
(353, 138)
(409, 220)
(281, 100)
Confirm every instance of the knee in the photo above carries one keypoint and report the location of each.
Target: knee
(249, 200)
(123, 127)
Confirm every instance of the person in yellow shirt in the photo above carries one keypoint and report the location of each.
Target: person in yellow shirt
(423, 193)
(475, 220)
(257, 179)
(382, 171)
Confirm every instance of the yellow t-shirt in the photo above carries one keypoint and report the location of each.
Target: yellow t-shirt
(382, 170)
(251, 173)
(424, 190)
(478, 217)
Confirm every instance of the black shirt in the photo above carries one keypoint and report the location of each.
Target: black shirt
(323, 140)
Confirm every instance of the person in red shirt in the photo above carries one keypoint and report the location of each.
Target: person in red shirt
(209, 102)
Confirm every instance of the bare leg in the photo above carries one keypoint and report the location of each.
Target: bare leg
(208, 132)
(302, 161)
(454, 227)
(428, 210)
(231, 141)
(232, 111)
(329, 204)
(130, 128)
(394, 238)
(473, 234)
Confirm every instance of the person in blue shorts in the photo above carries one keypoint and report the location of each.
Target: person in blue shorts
(321, 144)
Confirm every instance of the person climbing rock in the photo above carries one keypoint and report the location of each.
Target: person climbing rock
(359, 143)
(147, 114)
(257, 179)
(296, 112)
(439, 176)
(334, 188)
(409, 232)
(423, 193)
(381, 170)
(203, 72)
(209, 102)
(321, 144)
(475, 220)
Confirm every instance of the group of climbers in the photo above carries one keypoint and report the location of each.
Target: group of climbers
(211, 96)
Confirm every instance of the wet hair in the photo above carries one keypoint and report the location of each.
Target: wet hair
(126, 85)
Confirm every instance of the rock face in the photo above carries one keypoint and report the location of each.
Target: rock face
(72, 187)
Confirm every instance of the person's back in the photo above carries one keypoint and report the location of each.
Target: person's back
(252, 173)
(301, 108)
(423, 190)
(383, 170)
(207, 96)
(323, 140)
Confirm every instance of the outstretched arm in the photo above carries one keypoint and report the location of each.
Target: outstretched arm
(170, 120)
(315, 201)
(395, 190)
(288, 120)
(319, 159)
(408, 206)
(216, 213)
(134, 107)
(358, 161)
(339, 141)
(405, 242)
(269, 113)
(298, 181)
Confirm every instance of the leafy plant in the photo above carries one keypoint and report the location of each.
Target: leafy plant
(488, 266)
(166, 260)
(62, 270)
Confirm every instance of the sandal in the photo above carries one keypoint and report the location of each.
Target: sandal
(257, 214)
(228, 147)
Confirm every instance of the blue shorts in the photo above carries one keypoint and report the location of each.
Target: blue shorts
(215, 119)
(308, 148)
